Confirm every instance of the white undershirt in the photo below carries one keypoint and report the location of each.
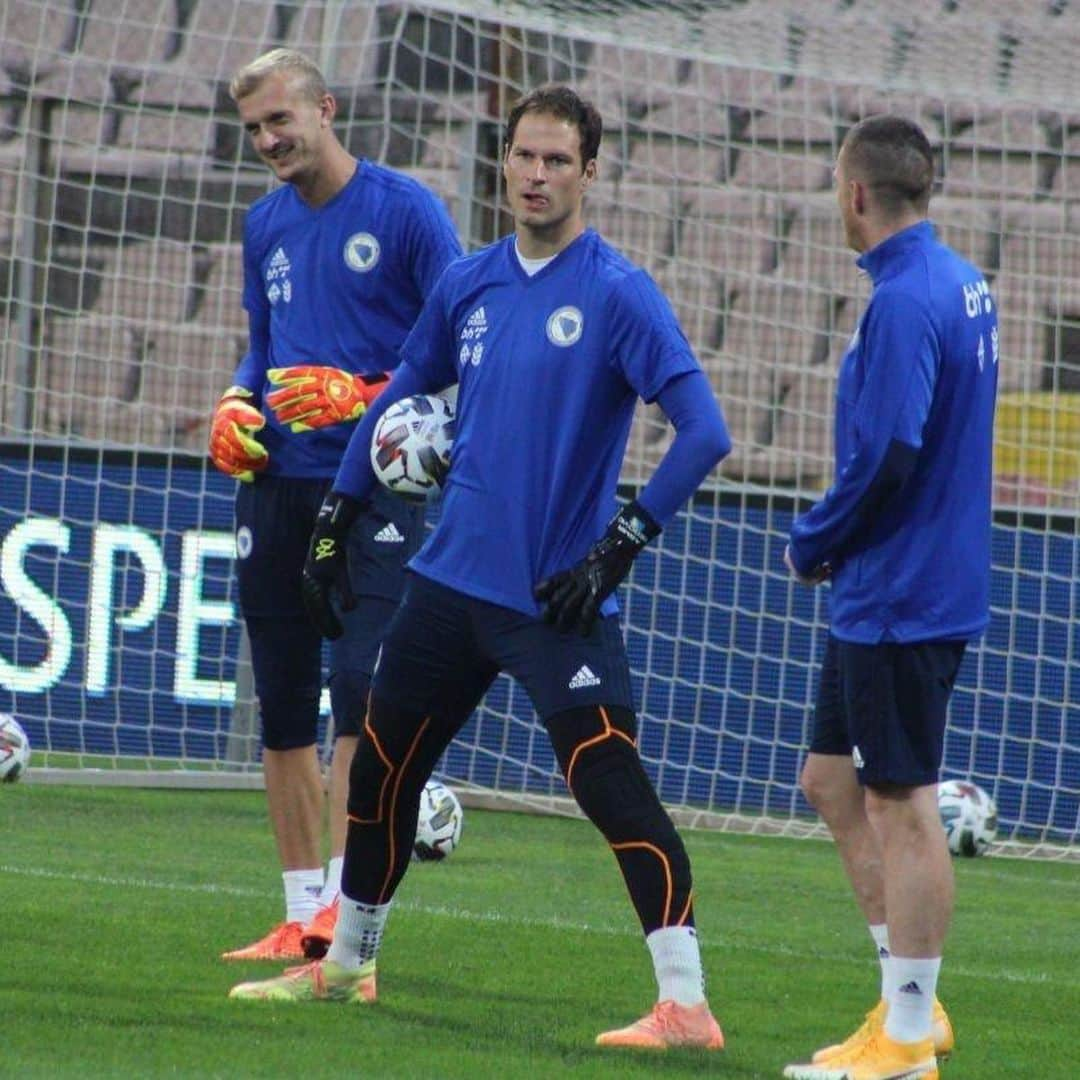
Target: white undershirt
(531, 266)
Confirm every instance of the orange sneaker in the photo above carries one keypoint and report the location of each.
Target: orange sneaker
(669, 1024)
(879, 1058)
(282, 943)
(317, 935)
(318, 981)
(942, 1033)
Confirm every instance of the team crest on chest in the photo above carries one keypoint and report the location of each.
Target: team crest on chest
(564, 326)
(361, 252)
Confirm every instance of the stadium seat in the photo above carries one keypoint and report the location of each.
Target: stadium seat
(736, 234)
(131, 34)
(349, 34)
(152, 281)
(815, 254)
(638, 218)
(774, 169)
(115, 380)
(1023, 326)
(222, 306)
(972, 227)
(675, 163)
(222, 37)
(35, 36)
(699, 299)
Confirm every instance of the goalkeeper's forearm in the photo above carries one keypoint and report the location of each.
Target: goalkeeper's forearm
(355, 476)
(701, 440)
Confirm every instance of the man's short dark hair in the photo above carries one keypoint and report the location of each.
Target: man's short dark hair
(893, 157)
(560, 101)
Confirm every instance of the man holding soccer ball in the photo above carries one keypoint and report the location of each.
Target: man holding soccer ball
(337, 264)
(552, 336)
(903, 535)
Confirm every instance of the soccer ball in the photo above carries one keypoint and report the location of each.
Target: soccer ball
(14, 749)
(969, 817)
(410, 450)
(438, 829)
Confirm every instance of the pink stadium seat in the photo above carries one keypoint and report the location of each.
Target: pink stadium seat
(782, 170)
(662, 160)
(223, 306)
(134, 33)
(638, 218)
(735, 234)
(1023, 323)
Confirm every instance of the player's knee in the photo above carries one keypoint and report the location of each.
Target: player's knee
(382, 752)
(348, 701)
(813, 785)
(613, 789)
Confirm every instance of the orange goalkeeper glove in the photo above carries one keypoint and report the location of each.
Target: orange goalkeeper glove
(316, 397)
(233, 446)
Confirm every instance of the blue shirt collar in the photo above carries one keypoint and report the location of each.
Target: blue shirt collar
(878, 259)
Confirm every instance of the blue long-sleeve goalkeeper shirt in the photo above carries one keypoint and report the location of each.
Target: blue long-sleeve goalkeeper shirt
(905, 526)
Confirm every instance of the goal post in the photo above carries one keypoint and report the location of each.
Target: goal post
(124, 178)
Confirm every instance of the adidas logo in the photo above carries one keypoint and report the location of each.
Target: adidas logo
(478, 318)
(279, 265)
(585, 676)
(389, 534)
(911, 988)
(857, 758)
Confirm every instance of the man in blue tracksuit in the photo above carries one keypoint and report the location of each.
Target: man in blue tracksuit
(903, 536)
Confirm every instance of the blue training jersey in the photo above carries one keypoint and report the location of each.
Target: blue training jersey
(915, 398)
(338, 285)
(549, 369)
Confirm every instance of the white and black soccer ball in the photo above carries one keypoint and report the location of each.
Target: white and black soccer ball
(969, 816)
(438, 828)
(14, 749)
(410, 450)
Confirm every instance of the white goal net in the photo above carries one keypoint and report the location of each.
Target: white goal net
(124, 177)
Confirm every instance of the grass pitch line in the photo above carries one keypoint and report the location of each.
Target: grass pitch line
(495, 917)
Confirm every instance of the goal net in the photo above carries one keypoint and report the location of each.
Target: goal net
(124, 177)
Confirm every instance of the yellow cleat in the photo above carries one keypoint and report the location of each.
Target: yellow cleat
(878, 1058)
(320, 980)
(318, 933)
(942, 1034)
(282, 943)
(669, 1025)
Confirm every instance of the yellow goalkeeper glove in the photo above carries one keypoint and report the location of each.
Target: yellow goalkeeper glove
(314, 397)
(233, 446)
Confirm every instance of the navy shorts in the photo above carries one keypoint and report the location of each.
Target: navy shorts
(445, 647)
(275, 517)
(886, 706)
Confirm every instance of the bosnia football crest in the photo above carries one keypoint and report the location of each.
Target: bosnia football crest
(564, 326)
(361, 252)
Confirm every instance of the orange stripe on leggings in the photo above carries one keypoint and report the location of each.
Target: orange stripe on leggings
(667, 871)
(393, 804)
(386, 779)
(686, 910)
(607, 733)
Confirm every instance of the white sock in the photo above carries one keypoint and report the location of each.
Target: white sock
(358, 932)
(880, 933)
(333, 881)
(911, 998)
(302, 889)
(677, 962)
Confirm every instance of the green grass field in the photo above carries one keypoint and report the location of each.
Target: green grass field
(505, 961)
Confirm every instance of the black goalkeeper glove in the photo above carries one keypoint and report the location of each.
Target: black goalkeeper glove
(327, 565)
(573, 597)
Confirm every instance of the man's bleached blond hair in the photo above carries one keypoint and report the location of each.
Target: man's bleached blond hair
(248, 79)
